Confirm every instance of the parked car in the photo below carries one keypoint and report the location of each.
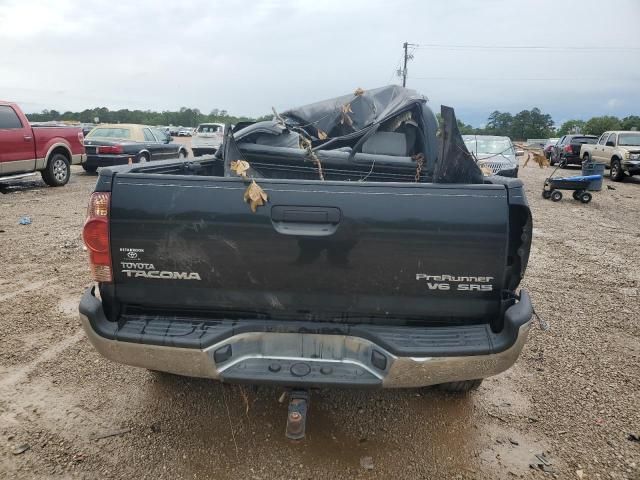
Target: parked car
(173, 130)
(87, 127)
(536, 142)
(184, 132)
(401, 270)
(619, 151)
(207, 138)
(494, 152)
(567, 150)
(548, 147)
(116, 144)
(25, 149)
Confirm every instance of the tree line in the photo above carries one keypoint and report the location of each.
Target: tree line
(525, 124)
(185, 117)
(599, 125)
(536, 124)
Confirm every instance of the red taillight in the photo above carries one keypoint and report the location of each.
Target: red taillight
(568, 149)
(96, 236)
(110, 149)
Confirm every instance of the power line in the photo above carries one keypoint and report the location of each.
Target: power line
(520, 47)
(533, 79)
(408, 55)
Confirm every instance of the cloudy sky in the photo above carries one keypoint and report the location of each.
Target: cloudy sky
(573, 59)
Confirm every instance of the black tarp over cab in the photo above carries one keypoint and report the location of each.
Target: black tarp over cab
(383, 134)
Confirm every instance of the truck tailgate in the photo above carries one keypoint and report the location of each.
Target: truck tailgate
(334, 251)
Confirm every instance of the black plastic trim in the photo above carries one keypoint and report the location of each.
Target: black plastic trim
(402, 341)
(258, 371)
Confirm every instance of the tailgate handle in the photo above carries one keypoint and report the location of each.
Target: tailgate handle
(294, 214)
(305, 221)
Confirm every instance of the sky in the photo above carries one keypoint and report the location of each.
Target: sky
(572, 59)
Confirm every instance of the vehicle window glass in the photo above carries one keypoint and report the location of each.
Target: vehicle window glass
(489, 145)
(629, 139)
(583, 140)
(208, 128)
(562, 140)
(603, 139)
(612, 138)
(148, 136)
(107, 132)
(159, 134)
(9, 118)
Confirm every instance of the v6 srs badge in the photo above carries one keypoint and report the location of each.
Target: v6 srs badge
(462, 283)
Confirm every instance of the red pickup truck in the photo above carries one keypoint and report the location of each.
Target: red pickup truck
(26, 149)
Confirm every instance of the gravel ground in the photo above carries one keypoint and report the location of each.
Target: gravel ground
(574, 394)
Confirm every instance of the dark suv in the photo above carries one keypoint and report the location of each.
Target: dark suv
(567, 150)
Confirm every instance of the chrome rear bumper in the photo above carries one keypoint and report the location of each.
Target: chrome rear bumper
(306, 359)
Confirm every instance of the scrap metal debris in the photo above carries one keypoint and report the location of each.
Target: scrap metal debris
(341, 139)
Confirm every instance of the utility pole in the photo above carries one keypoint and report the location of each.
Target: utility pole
(407, 57)
(404, 69)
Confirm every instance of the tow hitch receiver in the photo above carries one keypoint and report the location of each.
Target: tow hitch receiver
(297, 415)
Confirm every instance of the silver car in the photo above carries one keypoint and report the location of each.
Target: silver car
(207, 138)
(496, 153)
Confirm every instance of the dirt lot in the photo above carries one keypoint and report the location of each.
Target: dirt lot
(574, 394)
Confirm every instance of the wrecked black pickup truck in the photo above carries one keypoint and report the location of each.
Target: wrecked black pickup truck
(344, 243)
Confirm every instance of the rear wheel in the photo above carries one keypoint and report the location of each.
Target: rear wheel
(616, 172)
(556, 196)
(576, 194)
(182, 155)
(546, 194)
(460, 387)
(57, 172)
(585, 197)
(143, 158)
(586, 158)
